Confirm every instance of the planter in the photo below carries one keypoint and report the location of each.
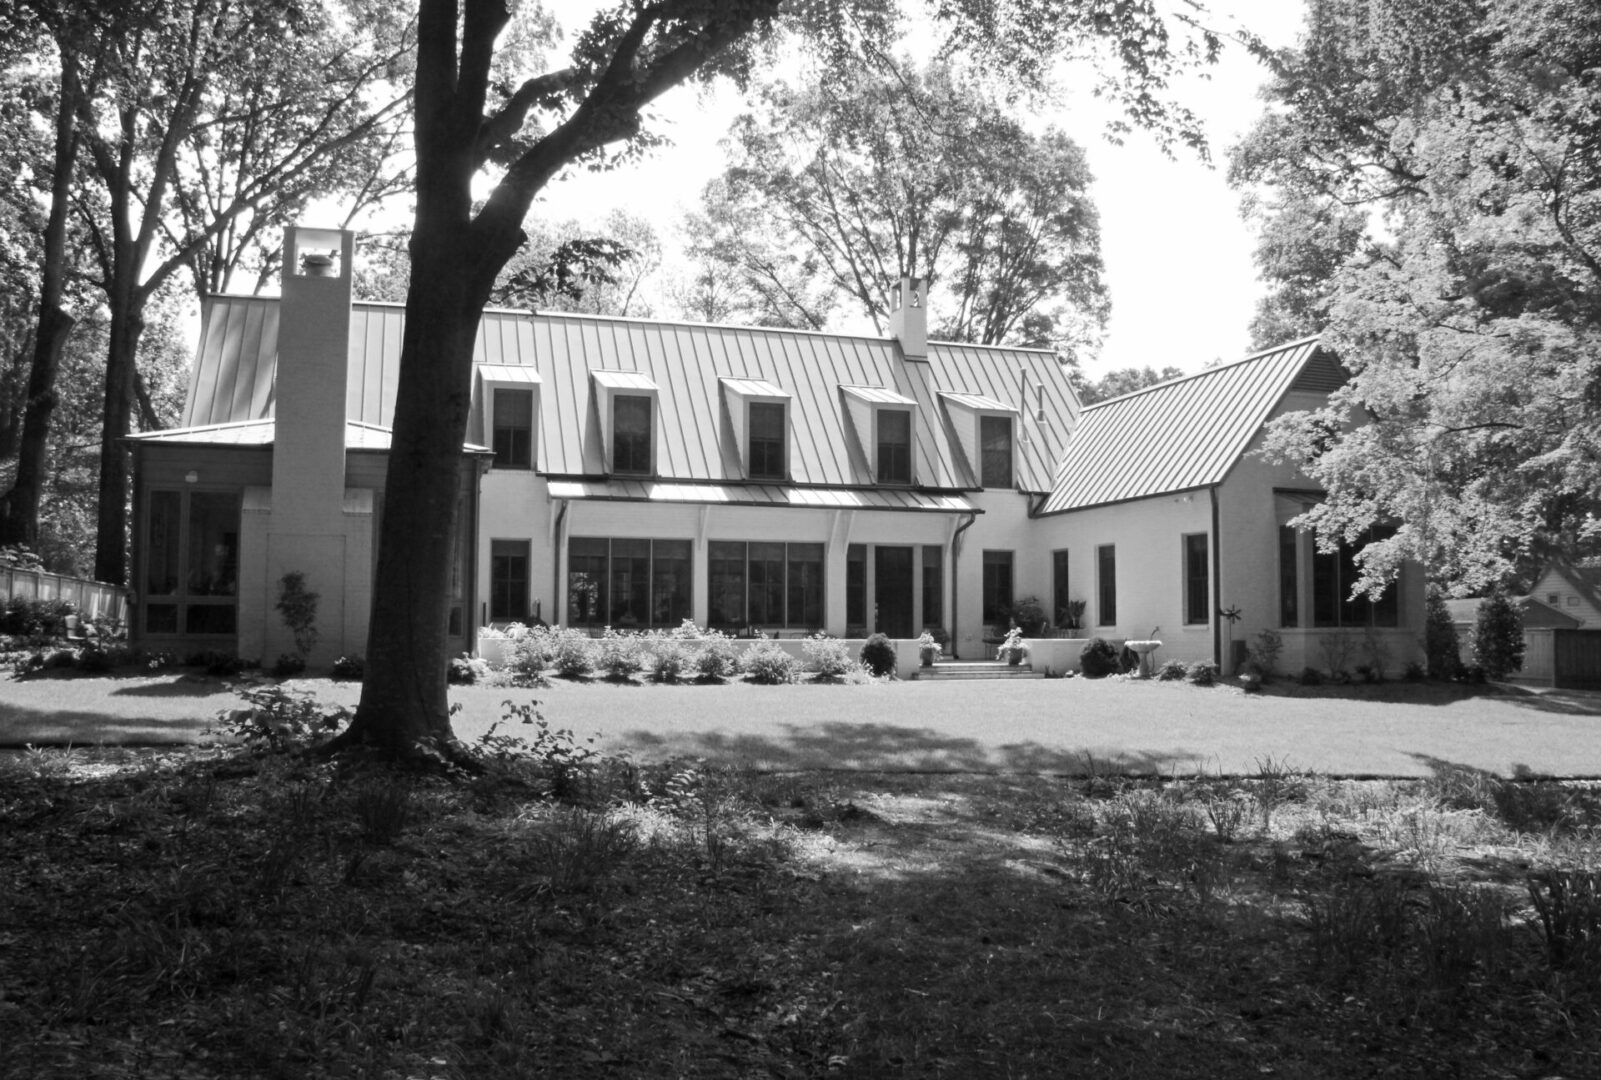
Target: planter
(1014, 658)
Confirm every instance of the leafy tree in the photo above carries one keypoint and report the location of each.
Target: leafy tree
(1498, 636)
(888, 174)
(1462, 136)
(467, 119)
(1122, 381)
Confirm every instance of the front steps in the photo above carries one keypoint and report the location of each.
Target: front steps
(978, 669)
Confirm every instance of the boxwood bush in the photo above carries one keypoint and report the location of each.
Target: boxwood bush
(1098, 659)
(767, 663)
(878, 655)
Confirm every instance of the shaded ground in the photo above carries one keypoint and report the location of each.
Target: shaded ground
(1054, 726)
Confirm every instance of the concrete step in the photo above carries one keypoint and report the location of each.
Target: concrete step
(978, 669)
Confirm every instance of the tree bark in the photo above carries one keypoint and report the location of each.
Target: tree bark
(111, 538)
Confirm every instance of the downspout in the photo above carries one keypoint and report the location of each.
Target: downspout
(956, 551)
(1217, 584)
(555, 563)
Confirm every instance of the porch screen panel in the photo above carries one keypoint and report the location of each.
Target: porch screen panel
(630, 583)
(767, 584)
(586, 581)
(669, 582)
(805, 586)
(161, 561)
(213, 564)
(725, 572)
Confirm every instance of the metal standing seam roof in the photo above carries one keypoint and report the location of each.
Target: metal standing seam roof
(233, 373)
(1176, 436)
(762, 495)
(358, 436)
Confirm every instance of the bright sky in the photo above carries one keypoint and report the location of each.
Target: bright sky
(1178, 255)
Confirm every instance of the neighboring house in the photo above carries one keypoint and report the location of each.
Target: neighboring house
(1573, 589)
(636, 473)
(1536, 614)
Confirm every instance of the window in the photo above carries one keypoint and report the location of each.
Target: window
(631, 435)
(1289, 576)
(1197, 580)
(1061, 592)
(771, 584)
(995, 451)
(1553, 599)
(856, 587)
(513, 441)
(192, 563)
(1333, 575)
(997, 586)
(767, 441)
(508, 580)
(627, 583)
(933, 585)
(1106, 584)
(894, 446)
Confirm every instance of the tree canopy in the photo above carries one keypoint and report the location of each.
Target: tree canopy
(1431, 178)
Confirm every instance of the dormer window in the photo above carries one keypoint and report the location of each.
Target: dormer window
(758, 416)
(626, 402)
(894, 458)
(995, 451)
(506, 414)
(631, 434)
(885, 425)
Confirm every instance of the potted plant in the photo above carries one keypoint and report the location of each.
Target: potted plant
(1013, 648)
(1071, 617)
(928, 648)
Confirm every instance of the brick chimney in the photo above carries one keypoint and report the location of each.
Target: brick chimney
(908, 317)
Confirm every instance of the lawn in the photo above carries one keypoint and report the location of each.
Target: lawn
(1054, 726)
(229, 912)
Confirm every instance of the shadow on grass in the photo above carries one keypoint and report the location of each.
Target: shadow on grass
(21, 725)
(858, 746)
(179, 686)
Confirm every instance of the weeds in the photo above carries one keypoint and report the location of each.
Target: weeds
(279, 718)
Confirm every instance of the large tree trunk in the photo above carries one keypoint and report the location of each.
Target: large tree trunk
(111, 537)
(19, 513)
(403, 697)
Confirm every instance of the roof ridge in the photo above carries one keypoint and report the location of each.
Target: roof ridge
(1165, 383)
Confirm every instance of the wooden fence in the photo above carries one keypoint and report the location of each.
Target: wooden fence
(1567, 659)
(93, 599)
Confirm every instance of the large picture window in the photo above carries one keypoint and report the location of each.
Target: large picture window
(995, 451)
(191, 573)
(627, 584)
(1333, 575)
(772, 584)
(1197, 580)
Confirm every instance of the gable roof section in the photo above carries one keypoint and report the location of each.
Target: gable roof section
(260, 433)
(232, 381)
(1179, 435)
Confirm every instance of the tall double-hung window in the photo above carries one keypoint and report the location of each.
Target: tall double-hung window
(894, 464)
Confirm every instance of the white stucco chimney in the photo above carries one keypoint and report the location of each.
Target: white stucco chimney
(308, 456)
(908, 317)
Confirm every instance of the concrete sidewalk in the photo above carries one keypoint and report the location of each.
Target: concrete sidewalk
(1054, 726)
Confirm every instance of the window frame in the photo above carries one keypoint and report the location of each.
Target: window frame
(880, 471)
(184, 599)
(1061, 586)
(649, 595)
(985, 478)
(510, 459)
(1333, 572)
(510, 549)
(992, 604)
(1106, 585)
(1196, 571)
(648, 437)
(779, 442)
(789, 592)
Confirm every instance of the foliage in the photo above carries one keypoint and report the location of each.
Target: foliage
(1030, 616)
(1122, 381)
(1441, 648)
(1202, 673)
(1430, 172)
(944, 185)
(1311, 676)
(24, 617)
(288, 665)
(768, 664)
(878, 655)
(1498, 636)
(715, 657)
(572, 653)
(297, 605)
(828, 656)
(619, 654)
(465, 670)
(279, 718)
(349, 668)
(1265, 649)
(1098, 658)
(1013, 649)
(666, 659)
(1172, 671)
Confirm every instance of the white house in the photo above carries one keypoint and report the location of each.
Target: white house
(635, 473)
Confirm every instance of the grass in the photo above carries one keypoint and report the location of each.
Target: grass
(234, 912)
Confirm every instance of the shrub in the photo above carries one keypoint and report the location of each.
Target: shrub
(715, 657)
(98, 661)
(828, 656)
(666, 659)
(289, 665)
(1202, 673)
(1029, 615)
(350, 667)
(878, 656)
(1442, 650)
(1311, 676)
(1172, 671)
(298, 606)
(619, 654)
(466, 670)
(1265, 648)
(1498, 637)
(531, 651)
(22, 617)
(281, 718)
(1098, 658)
(768, 664)
(572, 653)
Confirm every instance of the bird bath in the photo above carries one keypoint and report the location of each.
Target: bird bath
(1144, 649)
